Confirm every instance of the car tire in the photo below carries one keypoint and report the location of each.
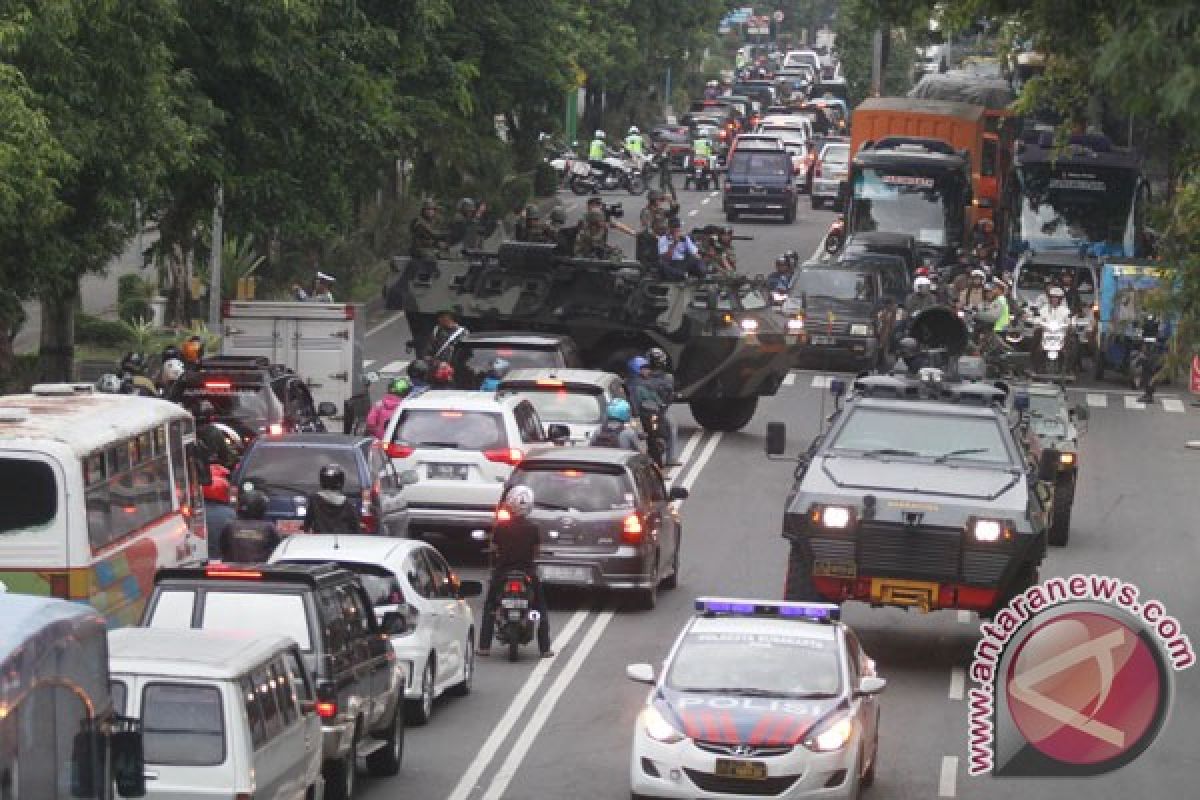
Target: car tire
(724, 415)
(420, 711)
(647, 599)
(1060, 521)
(385, 761)
(340, 775)
(463, 687)
(672, 580)
(798, 584)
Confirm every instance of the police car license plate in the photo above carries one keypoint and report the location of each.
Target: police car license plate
(745, 770)
(289, 525)
(822, 340)
(559, 574)
(448, 472)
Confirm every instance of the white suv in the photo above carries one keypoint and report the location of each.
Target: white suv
(462, 445)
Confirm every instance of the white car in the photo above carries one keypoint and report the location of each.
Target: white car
(758, 698)
(463, 445)
(576, 398)
(795, 58)
(411, 578)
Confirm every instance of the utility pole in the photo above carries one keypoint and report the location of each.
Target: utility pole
(214, 261)
(877, 63)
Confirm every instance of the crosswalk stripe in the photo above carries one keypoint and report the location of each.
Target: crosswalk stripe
(394, 367)
(1097, 400)
(1133, 404)
(789, 379)
(1173, 404)
(821, 381)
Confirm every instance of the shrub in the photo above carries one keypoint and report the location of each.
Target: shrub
(101, 332)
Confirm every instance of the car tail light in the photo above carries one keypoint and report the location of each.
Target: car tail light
(221, 385)
(369, 523)
(327, 706)
(219, 570)
(275, 429)
(397, 450)
(516, 587)
(503, 515)
(632, 529)
(504, 455)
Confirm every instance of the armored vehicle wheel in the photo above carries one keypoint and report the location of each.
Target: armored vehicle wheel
(798, 585)
(1060, 523)
(724, 415)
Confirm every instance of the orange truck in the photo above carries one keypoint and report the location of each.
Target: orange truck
(964, 126)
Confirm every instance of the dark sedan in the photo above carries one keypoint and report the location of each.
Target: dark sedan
(606, 519)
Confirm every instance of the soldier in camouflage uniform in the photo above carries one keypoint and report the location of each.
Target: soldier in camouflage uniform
(592, 240)
(425, 236)
(726, 257)
(535, 230)
(465, 228)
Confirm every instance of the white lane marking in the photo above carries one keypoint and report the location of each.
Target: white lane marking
(1097, 400)
(706, 201)
(684, 456)
(385, 323)
(515, 712)
(964, 616)
(948, 780)
(1172, 404)
(821, 381)
(541, 714)
(713, 193)
(394, 367)
(698, 465)
(693, 212)
(1132, 403)
(958, 682)
(789, 379)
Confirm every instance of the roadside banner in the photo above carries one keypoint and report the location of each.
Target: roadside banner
(1195, 381)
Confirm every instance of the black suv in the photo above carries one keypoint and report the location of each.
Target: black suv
(760, 182)
(329, 614)
(251, 395)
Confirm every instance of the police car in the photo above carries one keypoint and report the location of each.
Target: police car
(758, 699)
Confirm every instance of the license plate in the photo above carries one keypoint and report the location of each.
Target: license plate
(289, 525)
(758, 190)
(515, 602)
(745, 770)
(916, 594)
(448, 472)
(835, 569)
(817, 339)
(558, 574)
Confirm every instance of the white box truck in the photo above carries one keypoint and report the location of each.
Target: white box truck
(322, 342)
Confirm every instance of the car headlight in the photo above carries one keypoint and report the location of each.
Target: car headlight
(831, 736)
(860, 330)
(1066, 459)
(658, 728)
(795, 325)
(987, 530)
(835, 517)
(749, 325)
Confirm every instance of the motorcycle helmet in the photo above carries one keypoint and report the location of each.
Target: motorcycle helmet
(519, 501)
(172, 370)
(418, 371)
(637, 363)
(401, 387)
(134, 363)
(922, 283)
(332, 478)
(922, 272)
(109, 384)
(498, 368)
(1055, 291)
(619, 410)
(633, 129)
(443, 374)
(253, 504)
(193, 350)
(909, 347)
(657, 358)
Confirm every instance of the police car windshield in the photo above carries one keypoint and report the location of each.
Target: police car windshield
(558, 404)
(874, 430)
(756, 663)
(559, 489)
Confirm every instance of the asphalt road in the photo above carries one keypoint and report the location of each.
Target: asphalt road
(561, 728)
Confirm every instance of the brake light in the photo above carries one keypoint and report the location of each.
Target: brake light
(572, 473)
(326, 709)
(275, 429)
(218, 385)
(548, 382)
(350, 312)
(504, 455)
(514, 586)
(451, 414)
(219, 570)
(369, 523)
(397, 450)
(503, 515)
(632, 529)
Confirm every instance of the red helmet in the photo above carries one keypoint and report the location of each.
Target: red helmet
(443, 373)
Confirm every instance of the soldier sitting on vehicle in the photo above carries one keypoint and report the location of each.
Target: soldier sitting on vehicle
(534, 229)
(592, 239)
(425, 236)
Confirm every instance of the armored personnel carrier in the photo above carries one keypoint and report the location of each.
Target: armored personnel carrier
(727, 348)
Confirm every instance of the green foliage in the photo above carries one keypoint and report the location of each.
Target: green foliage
(100, 332)
(133, 299)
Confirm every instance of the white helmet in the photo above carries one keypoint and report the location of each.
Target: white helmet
(519, 501)
(1056, 292)
(172, 370)
(109, 383)
(599, 134)
(634, 129)
(922, 283)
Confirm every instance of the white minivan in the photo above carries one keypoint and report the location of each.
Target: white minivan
(224, 713)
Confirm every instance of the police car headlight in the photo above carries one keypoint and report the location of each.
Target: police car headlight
(831, 736)
(835, 517)
(860, 330)
(987, 530)
(795, 325)
(658, 728)
(749, 325)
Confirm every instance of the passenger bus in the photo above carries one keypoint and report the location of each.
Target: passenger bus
(97, 492)
(59, 736)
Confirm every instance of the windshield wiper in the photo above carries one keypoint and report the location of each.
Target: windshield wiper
(444, 445)
(966, 451)
(890, 451)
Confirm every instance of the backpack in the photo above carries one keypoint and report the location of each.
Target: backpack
(609, 435)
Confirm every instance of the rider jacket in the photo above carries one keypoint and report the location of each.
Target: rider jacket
(1059, 313)
(331, 512)
(516, 544)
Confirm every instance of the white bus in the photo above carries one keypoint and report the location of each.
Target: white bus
(59, 735)
(97, 491)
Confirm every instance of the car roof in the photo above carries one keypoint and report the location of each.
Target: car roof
(352, 548)
(330, 440)
(769, 626)
(458, 400)
(517, 337)
(190, 653)
(590, 377)
(942, 406)
(249, 575)
(610, 456)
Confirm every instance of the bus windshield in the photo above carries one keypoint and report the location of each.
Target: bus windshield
(1063, 207)
(902, 201)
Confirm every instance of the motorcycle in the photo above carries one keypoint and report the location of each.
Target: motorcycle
(700, 173)
(654, 429)
(618, 174)
(836, 236)
(516, 618)
(564, 163)
(1054, 345)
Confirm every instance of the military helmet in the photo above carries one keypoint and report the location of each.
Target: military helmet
(532, 212)
(595, 218)
(653, 196)
(558, 215)
(428, 203)
(466, 205)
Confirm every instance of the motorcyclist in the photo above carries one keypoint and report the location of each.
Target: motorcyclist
(382, 412)
(657, 377)
(974, 295)
(1071, 294)
(496, 372)
(329, 509)
(172, 370)
(712, 89)
(1055, 309)
(635, 384)
(250, 537)
(597, 152)
(1152, 335)
(634, 143)
(425, 236)
(446, 332)
(418, 376)
(702, 148)
(442, 376)
(921, 298)
(515, 546)
(616, 432)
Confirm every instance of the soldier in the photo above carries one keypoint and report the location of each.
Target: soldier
(425, 237)
(534, 230)
(666, 183)
(592, 240)
(465, 228)
(728, 257)
(651, 210)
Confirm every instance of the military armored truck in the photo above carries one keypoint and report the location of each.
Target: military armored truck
(726, 347)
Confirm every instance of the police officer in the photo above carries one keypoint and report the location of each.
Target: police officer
(515, 543)
(446, 332)
(329, 510)
(425, 236)
(634, 143)
(597, 151)
(249, 538)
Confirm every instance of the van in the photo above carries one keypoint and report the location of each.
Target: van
(760, 182)
(223, 713)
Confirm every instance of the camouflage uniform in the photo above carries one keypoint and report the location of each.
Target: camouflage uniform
(593, 237)
(425, 237)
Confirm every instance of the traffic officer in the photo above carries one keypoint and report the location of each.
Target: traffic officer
(446, 332)
(424, 233)
(702, 147)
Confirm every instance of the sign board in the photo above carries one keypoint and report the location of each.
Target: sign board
(1195, 382)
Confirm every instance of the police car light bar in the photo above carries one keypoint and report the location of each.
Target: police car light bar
(728, 606)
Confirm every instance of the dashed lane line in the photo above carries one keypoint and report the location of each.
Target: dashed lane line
(958, 683)
(789, 379)
(1134, 404)
(821, 381)
(1172, 404)
(693, 212)
(964, 616)
(713, 193)
(394, 367)
(385, 323)
(1097, 400)
(948, 779)
(706, 201)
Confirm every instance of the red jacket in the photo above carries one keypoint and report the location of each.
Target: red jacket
(381, 414)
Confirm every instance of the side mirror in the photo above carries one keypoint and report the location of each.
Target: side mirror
(1048, 465)
(470, 588)
(1082, 412)
(558, 433)
(408, 477)
(837, 387)
(326, 409)
(776, 438)
(870, 686)
(128, 758)
(641, 673)
(678, 493)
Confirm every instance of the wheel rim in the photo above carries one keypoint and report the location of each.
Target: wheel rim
(427, 690)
